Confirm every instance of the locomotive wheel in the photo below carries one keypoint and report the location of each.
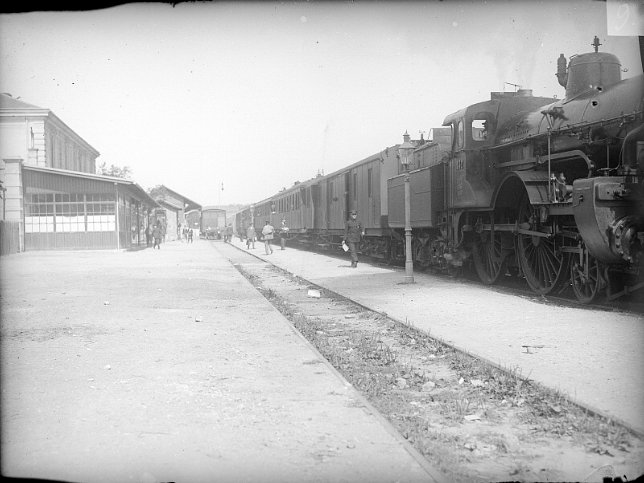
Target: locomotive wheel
(488, 257)
(585, 277)
(541, 262)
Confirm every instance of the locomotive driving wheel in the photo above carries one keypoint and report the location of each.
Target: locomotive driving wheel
(585, 277)
(541, 260)
(488, 255)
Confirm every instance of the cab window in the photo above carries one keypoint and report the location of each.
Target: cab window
(482, 126)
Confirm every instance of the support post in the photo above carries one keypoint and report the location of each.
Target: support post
(409, 260)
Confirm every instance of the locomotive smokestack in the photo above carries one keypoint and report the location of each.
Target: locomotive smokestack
(562, 72)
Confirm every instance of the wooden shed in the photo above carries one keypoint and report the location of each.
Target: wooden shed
(72, 210)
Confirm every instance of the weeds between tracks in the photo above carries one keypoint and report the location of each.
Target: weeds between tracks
(471, 420)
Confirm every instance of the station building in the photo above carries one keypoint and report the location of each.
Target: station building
(51, 196)
(171, 213)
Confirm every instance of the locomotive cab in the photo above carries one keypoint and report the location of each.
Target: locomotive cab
(473, 129)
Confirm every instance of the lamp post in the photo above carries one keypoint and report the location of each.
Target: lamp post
(404, 151)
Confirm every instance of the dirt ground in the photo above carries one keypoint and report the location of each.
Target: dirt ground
(168, 365)
(471, 421)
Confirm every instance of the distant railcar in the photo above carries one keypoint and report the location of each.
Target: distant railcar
(241, 221)
(213, 221)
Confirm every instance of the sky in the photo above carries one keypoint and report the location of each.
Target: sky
(256, 96)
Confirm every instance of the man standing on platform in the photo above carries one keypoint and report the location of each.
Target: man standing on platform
(283, 234)
(353, 234)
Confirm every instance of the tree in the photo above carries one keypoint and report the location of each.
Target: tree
(113, 170)
(156, 192)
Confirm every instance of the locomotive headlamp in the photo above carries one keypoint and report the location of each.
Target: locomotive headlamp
(404, 151)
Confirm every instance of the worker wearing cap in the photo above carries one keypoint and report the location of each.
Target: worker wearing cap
(353, 233)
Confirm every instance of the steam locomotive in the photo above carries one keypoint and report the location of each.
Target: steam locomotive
(544, 189)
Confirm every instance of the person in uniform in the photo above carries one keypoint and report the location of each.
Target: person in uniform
(353, 234)
(157, 233)
(283, 234)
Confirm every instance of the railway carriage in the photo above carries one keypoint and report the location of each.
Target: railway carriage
(212, 222)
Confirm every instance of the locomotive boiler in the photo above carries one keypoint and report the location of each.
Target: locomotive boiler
(550, 190)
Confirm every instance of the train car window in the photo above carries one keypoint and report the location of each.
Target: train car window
(460, 134)
(369, 182)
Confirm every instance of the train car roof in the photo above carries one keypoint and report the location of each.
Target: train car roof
(316, 179)
(362, 161)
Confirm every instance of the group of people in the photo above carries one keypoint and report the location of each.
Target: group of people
(187, 234)
(267, 235)
(353, 233)
(227, 233)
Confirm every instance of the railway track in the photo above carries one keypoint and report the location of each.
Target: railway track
(514, 285)
(474, 420)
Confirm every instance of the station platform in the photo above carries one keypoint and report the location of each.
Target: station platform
(592, 356)
(167, 365)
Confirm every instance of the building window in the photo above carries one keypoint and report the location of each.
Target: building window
(369, 182)
(39, 213)
(50, 152)
(59, 153)
(67, 213)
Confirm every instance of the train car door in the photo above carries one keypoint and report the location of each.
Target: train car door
(329, 202)
(317, 211)
(373, 201)
(349, 179)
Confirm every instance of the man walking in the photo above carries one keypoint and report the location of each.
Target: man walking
(157, 234)
(353, 233)
(250, 236)
(267, 235)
